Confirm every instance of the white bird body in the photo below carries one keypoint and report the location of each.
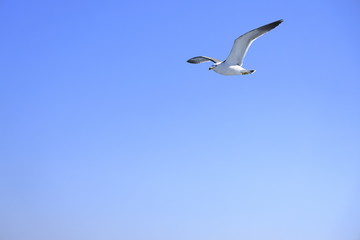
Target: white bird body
(233, 64)
(228, 69)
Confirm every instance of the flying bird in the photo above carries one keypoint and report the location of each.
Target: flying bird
(233, 63)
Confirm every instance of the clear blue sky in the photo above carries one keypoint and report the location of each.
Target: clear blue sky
(107, 132)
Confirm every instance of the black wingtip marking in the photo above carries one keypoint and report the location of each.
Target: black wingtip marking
(271, 26)
(192, 60)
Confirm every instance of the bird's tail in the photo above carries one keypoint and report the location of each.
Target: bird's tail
(248, 72)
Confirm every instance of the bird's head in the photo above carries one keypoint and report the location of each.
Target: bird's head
(213, 66)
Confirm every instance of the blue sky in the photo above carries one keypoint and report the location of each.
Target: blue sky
(107, 132)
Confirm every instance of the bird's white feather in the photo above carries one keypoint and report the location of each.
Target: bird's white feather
(242, 43)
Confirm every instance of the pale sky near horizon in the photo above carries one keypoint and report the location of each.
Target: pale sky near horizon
(107, 132)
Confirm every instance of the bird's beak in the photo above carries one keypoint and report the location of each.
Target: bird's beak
(211, 68)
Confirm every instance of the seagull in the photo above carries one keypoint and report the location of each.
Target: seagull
(233, 64)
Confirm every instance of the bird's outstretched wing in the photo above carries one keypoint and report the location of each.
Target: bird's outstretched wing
(201, 59)
(242, 43)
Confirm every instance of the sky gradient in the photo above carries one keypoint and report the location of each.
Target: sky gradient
(107, 132)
